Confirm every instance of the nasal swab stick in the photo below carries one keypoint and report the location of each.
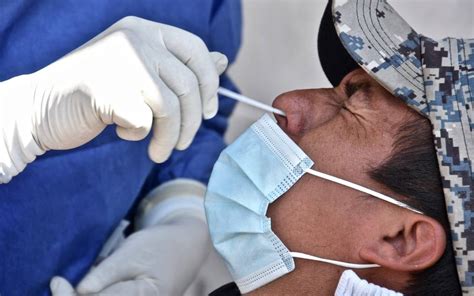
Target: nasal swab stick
(249, 101)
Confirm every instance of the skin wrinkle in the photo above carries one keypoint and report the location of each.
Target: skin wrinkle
(359, 97)
(325, 219)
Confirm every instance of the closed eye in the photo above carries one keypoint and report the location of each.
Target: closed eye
(351, 88)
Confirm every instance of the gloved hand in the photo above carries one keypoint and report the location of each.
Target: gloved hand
(162, 259)
(137, 74)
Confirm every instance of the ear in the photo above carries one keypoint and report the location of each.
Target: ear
(412, 243)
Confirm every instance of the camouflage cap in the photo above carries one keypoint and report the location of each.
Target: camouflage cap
(437, 79)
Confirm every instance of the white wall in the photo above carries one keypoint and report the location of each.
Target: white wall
(279, 50)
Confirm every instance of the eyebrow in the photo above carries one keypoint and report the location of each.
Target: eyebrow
(352, 87)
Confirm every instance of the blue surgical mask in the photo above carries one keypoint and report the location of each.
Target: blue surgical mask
(254, 171)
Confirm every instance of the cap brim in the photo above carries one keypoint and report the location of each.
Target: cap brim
(383, 44)
(335, 60)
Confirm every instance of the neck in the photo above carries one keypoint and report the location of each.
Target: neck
(308, 278)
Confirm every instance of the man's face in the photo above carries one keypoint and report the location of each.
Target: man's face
(346, 131)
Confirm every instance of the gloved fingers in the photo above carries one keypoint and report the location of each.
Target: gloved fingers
(61, 287)
(195, 55)
(166, 124)
(134, 119)
(184, 84)
(111, 270)
(220, 61)
(139, 287)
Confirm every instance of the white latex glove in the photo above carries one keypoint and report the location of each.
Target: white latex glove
(61, 287)
(162, 259)
(138, 74)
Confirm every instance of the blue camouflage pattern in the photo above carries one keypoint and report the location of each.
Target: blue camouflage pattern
(390, 53)
(436, 78)
(448, 72)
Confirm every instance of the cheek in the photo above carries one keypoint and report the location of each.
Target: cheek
(343, 149)
(314, 216)
(333, 152)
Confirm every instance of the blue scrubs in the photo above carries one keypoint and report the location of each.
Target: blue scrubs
(56, 215)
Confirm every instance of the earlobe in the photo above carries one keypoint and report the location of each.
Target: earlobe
(414, 245)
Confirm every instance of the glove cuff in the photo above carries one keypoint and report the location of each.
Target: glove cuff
(173, 198)
(18, 146)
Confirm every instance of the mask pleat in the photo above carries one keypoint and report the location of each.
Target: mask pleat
(254, 223)
(244, 244)
(238, 187)
(277, 174)
(244, 155)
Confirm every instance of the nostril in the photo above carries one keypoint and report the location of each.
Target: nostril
(281, 120)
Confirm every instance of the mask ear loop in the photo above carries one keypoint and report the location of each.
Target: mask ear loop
(359, 188)
(362, 189)
(333, 262)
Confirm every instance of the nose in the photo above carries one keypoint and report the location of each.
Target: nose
(305, 109)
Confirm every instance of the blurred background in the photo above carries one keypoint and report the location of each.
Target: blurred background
(279, 50)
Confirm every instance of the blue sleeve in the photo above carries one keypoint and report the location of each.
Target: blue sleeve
(57, 214)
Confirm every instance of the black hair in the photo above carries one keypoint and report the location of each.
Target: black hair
(412, 171)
